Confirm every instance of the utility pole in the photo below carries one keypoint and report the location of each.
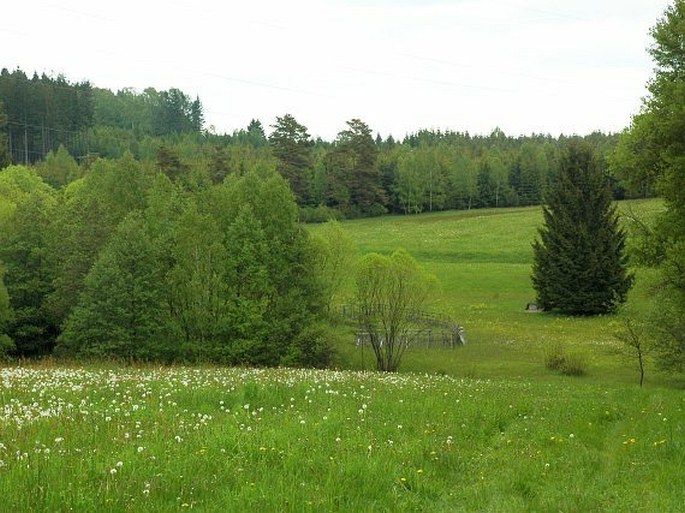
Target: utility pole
(26, 144)
(430, 195)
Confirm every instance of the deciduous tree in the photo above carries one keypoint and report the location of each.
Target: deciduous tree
(652, 151)
(389, 291)
(24, 221)
(121, 312)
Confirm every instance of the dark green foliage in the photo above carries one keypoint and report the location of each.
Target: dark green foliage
(579, 266)
(6, 343)
(292, 146)
(528, 173)
(312, 347)
(357, 175)
(354, 185)
(486, 186)
(169, 163)
(27, 209)
(44, 112)
(223, 275)
(121, 311)
(85, 219)
(151, 112)
(4, 140)
(265, 243)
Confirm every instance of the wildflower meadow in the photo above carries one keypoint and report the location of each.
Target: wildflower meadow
(217, 439)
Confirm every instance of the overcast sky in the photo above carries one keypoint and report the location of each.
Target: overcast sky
(543, 66)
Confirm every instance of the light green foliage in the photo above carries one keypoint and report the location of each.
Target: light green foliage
(411, 185)
(24, 222)
(335, 253)
(491, 182)
(197, 282)
(422, 178)
(389, 291)
(637, 339)
(250, 278)
(482, 260)
(59, 168)
(271, 266)
(652, 150)
(217, 439)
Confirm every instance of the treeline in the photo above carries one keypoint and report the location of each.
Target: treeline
(125, 262)
(44, 112)
(356, 174)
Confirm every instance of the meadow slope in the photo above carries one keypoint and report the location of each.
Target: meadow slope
(482, 259)
(156, 439)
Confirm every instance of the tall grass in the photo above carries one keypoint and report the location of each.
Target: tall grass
(286, 440)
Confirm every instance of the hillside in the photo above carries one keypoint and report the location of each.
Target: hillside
(482, 259)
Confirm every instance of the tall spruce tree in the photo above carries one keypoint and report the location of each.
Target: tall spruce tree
(580, 265)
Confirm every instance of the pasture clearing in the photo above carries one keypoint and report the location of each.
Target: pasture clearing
(482, 260)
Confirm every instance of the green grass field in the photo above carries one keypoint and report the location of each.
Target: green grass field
(481, 428)
(482, 259)
(146, 439)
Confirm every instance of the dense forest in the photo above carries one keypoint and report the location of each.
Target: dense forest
(357, 174)
(126, 226)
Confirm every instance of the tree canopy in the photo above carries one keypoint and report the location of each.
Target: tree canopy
(651, 154)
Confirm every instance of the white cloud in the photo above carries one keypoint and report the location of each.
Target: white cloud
(522, 65)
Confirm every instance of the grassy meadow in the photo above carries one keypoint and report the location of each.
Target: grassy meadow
(211, 439)
(481, 428)
(482, 260)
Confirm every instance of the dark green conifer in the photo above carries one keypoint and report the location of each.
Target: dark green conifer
(580, 265)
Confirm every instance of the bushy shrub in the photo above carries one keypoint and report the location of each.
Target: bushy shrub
(557, 358)
(318, 214)
(6, 346)
(312, 348)
(574, 365)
